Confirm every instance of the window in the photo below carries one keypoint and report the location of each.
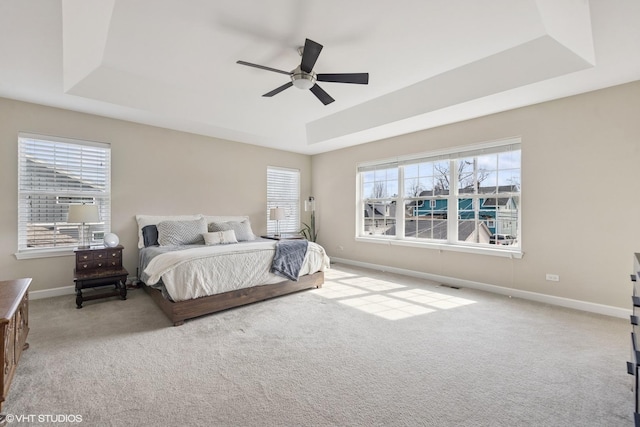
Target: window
(54, 173)
(283, 191)
(380, 184)
(459, 198)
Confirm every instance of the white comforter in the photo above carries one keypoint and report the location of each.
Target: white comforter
(209, 270)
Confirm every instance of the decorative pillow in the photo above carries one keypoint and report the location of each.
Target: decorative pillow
(144, 220)
(220, 237)
(150, 235)
(224, 218)
(242, 229)
(176, 233)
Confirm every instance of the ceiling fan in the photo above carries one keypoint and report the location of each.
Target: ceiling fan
(303, 76)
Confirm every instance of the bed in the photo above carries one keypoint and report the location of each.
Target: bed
(193, 265)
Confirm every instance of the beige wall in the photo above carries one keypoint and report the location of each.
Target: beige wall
(154, 171)
(580, 177)
(580, 202)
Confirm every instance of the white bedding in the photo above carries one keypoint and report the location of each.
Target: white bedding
(208, 270)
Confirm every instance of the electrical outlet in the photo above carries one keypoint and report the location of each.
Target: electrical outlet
(553, 277)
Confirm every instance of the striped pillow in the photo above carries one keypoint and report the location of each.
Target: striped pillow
(178, 233)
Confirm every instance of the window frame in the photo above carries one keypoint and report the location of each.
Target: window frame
(64, 195)
(290, 201)
(450, 243)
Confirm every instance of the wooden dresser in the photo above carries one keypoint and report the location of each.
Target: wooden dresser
(633, 366)
(14, 327)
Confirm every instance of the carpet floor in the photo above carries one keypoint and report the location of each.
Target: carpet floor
(367, 349)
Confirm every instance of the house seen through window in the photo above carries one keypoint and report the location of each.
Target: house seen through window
(53, 174)
(467, 197)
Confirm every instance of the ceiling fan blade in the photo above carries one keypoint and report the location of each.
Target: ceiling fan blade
(279, 89)
(357, 78)
(310, 54)
(262, 67)
(323, 96)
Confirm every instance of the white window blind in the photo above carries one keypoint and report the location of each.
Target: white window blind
(283, 191)
(54, 173)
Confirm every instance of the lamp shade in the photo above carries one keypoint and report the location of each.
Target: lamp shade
(276, 214)
(83, 214)
(310, 204)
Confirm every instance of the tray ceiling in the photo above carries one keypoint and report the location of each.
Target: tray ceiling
(172, 63)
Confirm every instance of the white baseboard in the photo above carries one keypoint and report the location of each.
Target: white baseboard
(533, 296)
(64, 290)
(55, 292)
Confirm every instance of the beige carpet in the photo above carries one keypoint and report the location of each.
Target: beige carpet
(368, 349)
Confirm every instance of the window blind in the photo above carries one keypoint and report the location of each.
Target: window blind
(283, 191)
(54, 173)
(476, 150)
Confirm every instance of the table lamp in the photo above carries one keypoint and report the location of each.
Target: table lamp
(83, 214)
(277, 214)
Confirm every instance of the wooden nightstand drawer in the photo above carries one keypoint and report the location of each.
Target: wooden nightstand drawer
(107, 258)
(85, 265)
(84, 256)
(107, 254)
(113, 255)
(97, 264)
(111, 263)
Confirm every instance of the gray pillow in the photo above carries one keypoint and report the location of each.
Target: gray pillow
(150, 235)
(242, 229)
(177, 233)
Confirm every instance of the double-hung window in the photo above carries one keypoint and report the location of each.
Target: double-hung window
(53, 174)
(456, 199)
(283, 191)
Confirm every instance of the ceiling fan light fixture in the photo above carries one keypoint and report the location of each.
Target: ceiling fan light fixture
(303, 80)
(303, 76)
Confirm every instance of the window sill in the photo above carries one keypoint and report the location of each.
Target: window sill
(507, 253)
(44, 253)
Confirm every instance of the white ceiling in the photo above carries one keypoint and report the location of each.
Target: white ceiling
(172, 63)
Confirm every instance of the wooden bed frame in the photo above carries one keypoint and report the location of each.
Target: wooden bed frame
(180, 311)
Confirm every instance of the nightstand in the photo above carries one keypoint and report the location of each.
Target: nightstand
(284, 236)
(100, 266)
